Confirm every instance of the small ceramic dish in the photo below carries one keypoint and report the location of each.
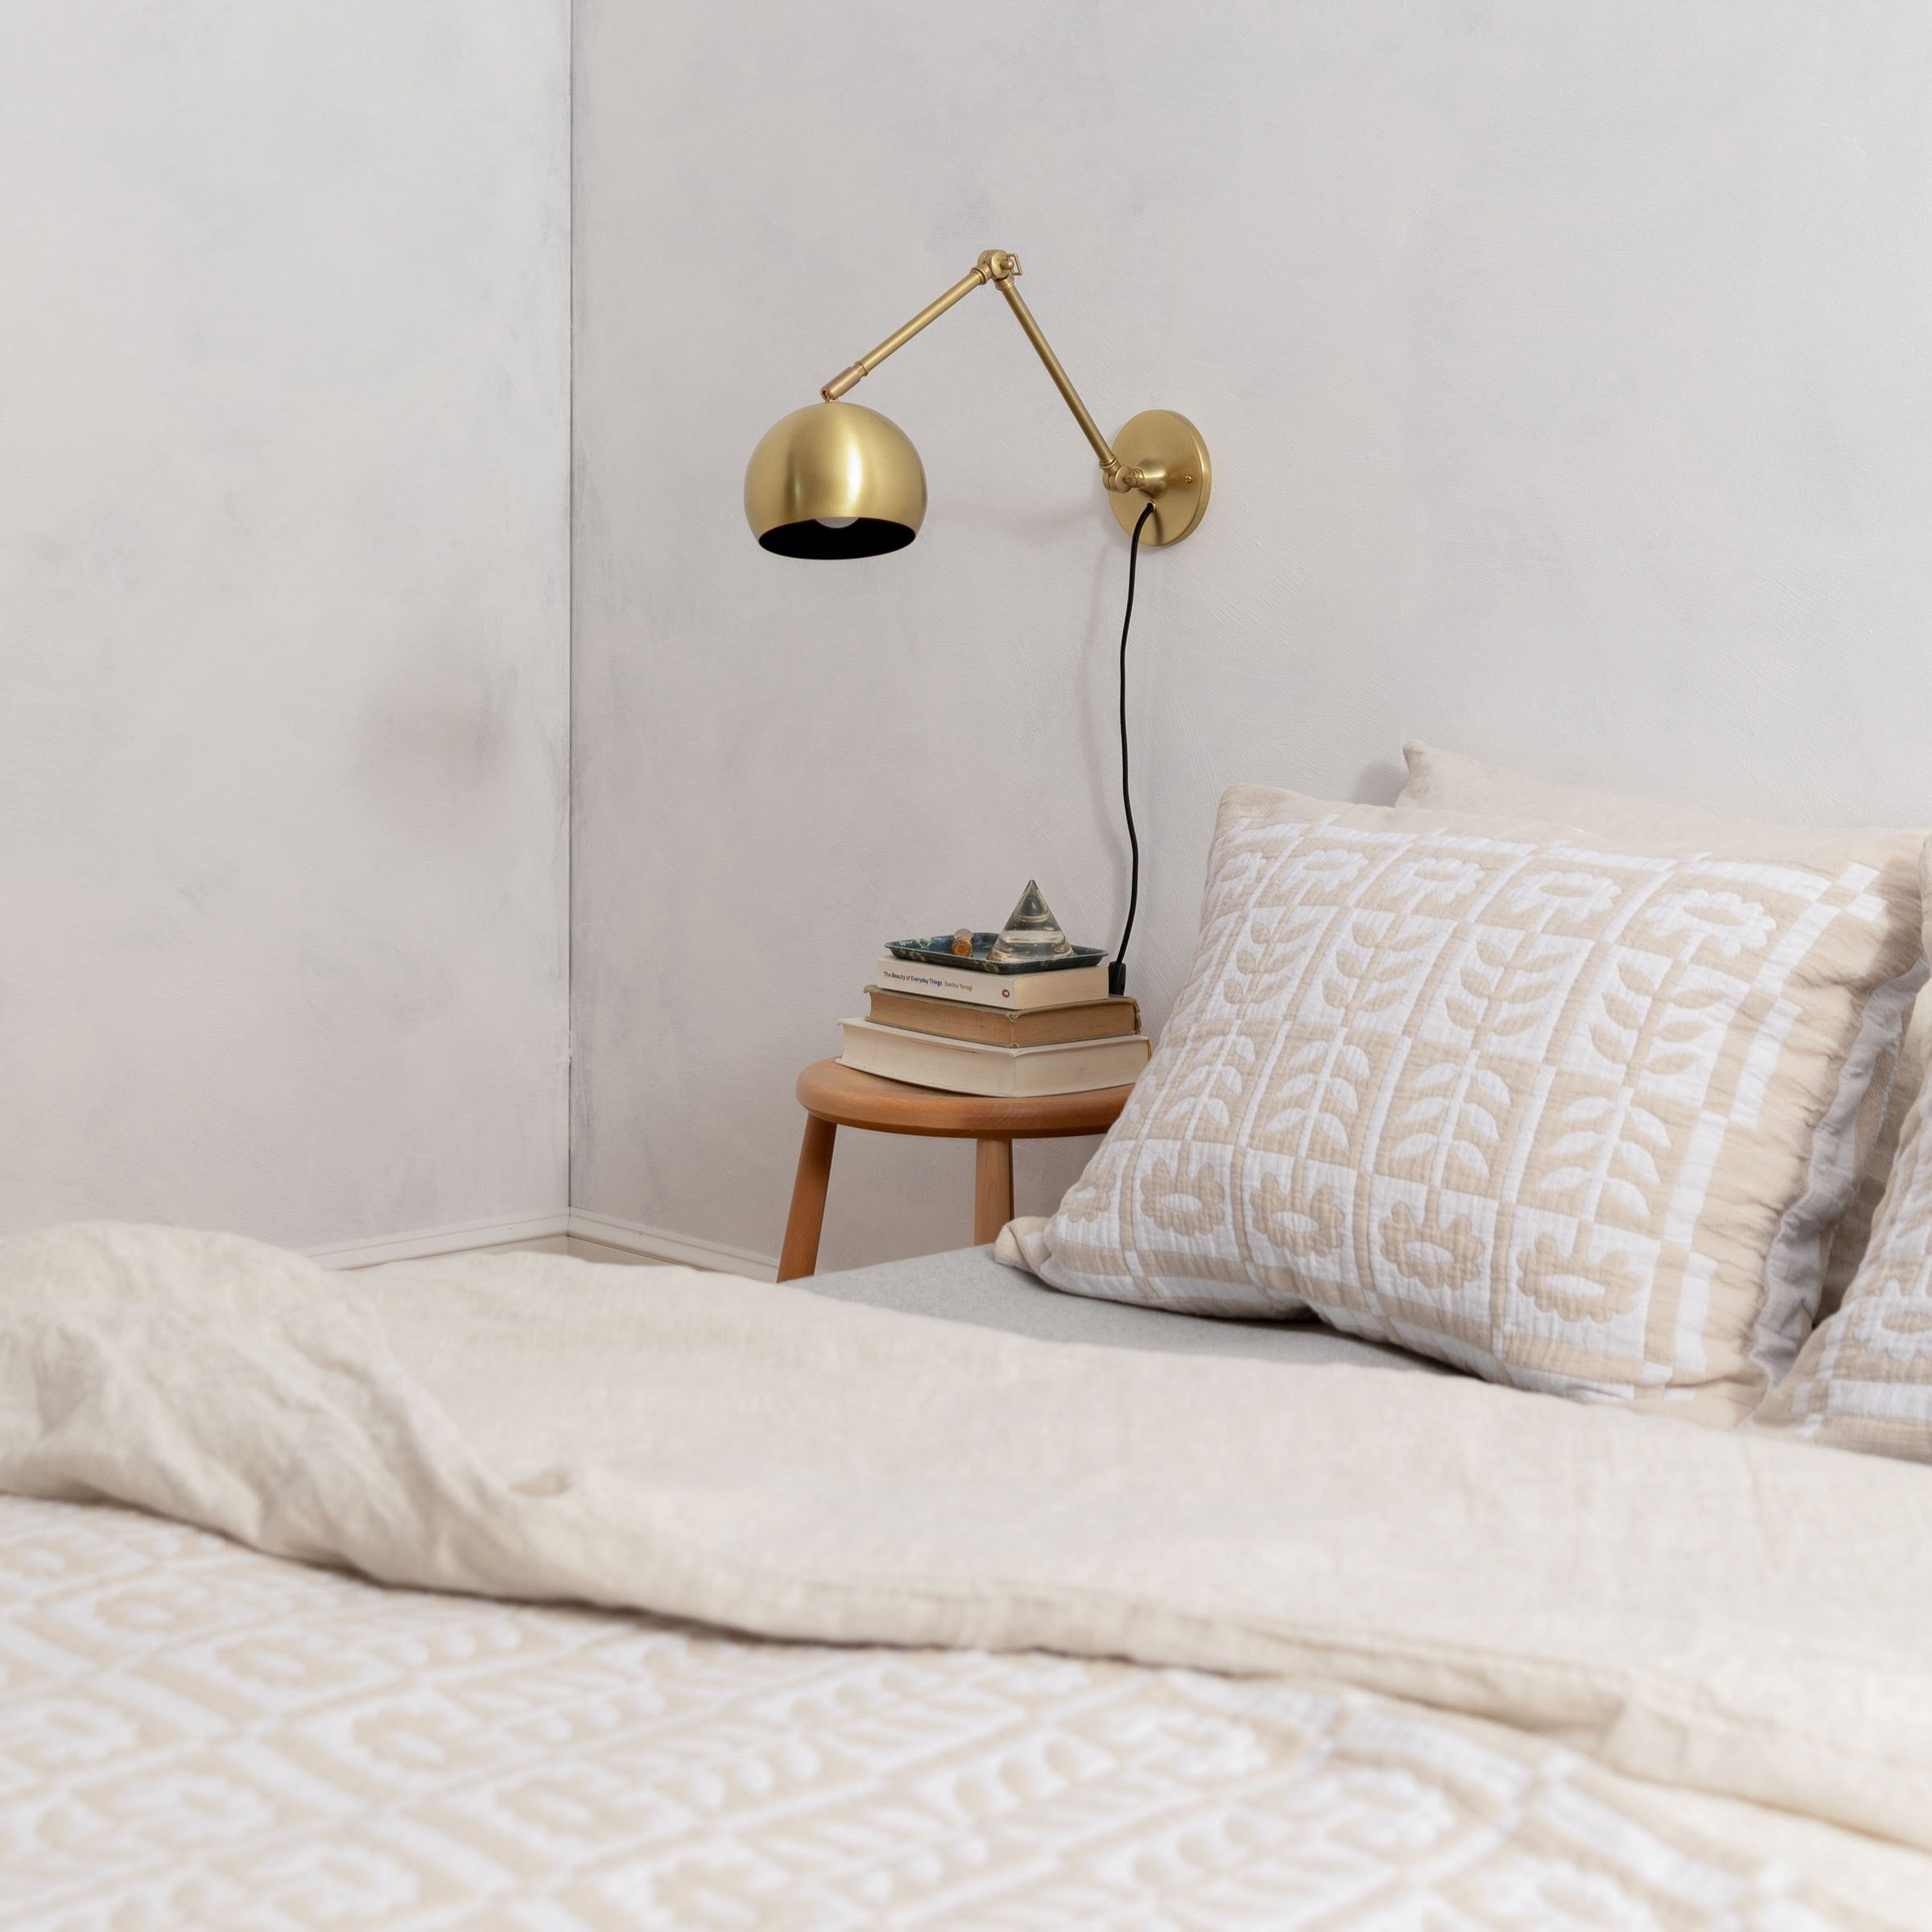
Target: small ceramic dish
(938, 951)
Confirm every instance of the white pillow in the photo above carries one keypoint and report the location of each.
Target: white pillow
(1540, 1104)
(1447, 781)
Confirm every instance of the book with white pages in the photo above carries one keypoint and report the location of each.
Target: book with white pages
(925, 1059)
(999, 1026)
(1015, 992)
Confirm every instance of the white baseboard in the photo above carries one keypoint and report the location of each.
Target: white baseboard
(572, 1232)
(605, 1257)
(635, 1239)
(523, 1230)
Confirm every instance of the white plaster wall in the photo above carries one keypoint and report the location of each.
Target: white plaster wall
(284, 378)
(1566, 373)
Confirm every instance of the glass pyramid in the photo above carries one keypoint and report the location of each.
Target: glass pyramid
(1032, 932)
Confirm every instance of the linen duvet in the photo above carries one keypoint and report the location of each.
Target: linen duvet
(1064, 1635)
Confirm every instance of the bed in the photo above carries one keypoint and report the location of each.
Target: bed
(1018, 1592)
(834, 1719)
(199, 1735)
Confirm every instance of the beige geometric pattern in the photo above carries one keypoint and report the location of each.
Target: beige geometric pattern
(1865, 1379)
(1567, 1114)
(196, 1737)
(1449, 781)
(1897, 1081)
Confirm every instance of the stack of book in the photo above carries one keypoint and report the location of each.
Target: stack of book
(1005, 1035)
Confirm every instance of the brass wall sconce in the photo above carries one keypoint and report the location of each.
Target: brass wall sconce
(837, 480)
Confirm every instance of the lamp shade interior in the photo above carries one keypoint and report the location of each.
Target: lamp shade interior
(835, 480)
(856, 537)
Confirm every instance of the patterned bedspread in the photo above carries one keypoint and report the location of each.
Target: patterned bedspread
(194, 1736)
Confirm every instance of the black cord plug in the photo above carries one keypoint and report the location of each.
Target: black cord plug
(1116, 967)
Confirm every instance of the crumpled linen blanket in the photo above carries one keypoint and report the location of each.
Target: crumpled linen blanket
(1742, 1616)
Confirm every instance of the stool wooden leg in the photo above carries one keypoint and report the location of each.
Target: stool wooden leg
(991, 1190)
(800, 1254)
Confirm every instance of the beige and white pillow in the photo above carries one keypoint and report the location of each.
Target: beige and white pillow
(1865, 1379)
(1539, 1105)
(1448, 781)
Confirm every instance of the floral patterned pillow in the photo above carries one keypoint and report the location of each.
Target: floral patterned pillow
(1570, 1112)
(1447, 781)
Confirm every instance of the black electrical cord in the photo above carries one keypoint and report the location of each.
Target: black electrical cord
(1117, 968)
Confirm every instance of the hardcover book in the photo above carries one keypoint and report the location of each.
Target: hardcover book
(1001, 1072)
(990, 1026)
(1013, 993)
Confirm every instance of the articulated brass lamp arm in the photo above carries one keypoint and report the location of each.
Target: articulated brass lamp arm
(836, 479)
(1002, 270)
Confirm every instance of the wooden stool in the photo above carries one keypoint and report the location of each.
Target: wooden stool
(834, 1096)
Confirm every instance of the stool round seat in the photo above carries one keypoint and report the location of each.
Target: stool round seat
(848, 1098)
(834, 1096)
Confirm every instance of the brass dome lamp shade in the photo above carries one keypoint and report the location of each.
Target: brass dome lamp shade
(834, 480)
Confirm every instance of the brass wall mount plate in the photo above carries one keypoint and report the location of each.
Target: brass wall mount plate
(1159, 438)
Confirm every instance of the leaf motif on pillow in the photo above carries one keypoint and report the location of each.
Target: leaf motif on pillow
(1190, 1204)
(1273, 952)
(1270, 961)
(1298, 1223)
(1318, 1090)
(1619, 1142)
(1457, 1113)
(1214, 1085)
(1442, 1256)
(1373, 970)
(1575, 1288)
(1502, 991)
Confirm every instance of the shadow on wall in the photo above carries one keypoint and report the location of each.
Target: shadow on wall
(1378, 783)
